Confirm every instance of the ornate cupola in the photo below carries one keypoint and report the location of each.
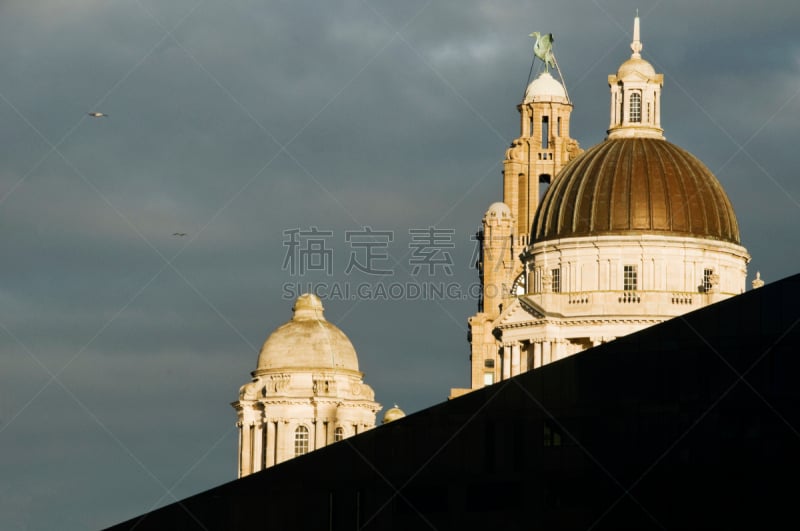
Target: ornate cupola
(306, 392)
(636, 96)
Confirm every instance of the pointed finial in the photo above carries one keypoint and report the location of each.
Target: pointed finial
(757, 282)
(636, 45)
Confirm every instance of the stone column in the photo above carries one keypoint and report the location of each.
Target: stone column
(506, 361)
(281, 429)
(537, 354)
(256, 431)
(331, 431)
(525, 360)
(239, 425)
(546, 352)
(561, 349)
(247, 449)
(271, 442)
(515, 355)
(319, 439)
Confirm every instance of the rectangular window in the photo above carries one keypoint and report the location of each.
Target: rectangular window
(707, 281)
(556, 280)
(488, 378)
(636, 108)
(551, 436)
(489, 364)
(545, 131)
(558, 132)
(629, 278)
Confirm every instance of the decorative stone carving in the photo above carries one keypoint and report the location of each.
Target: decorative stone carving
(250, 391)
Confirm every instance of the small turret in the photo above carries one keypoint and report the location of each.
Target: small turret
(636, 96)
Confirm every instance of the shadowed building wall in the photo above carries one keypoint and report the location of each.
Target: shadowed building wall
(689, 424)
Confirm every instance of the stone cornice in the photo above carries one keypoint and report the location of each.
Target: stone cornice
(582, 322)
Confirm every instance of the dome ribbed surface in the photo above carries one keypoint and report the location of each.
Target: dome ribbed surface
(636, 185)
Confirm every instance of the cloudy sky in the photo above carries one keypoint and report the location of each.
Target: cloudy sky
(242, 122)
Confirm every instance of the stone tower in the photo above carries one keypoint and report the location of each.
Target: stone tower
(541, 150)
(534, 158)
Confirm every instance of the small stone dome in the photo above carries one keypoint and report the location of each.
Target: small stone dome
(307, 342)
(635, 186)
(498, 210)
(636, 65)
(545, 88)
(393, 413)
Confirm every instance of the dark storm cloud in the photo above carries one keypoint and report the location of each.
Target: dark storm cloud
(252, 118)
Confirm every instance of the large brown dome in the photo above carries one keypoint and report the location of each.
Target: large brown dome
(632, 186)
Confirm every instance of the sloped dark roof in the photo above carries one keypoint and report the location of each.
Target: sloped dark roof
(690, 424)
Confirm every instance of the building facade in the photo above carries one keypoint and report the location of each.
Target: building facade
(305, 393)
(629, 233)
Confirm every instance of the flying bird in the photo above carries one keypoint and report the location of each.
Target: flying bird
(179, 234)
(97, 114)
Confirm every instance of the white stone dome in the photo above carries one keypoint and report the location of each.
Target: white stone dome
(498, 210)
(307, 342)
(636, 66)
(393, 413)
(545, 88)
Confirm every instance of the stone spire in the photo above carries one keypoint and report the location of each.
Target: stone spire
(636, 45)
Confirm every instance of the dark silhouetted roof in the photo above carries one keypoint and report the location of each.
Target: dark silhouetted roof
(690, 424)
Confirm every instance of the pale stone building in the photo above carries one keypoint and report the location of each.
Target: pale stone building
(630, 233)
(306, 392)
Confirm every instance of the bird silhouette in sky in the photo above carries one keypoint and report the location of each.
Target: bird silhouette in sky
(180, 234)
(97, 114)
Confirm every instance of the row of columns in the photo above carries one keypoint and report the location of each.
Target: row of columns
(518, 357)
(259, 449)
(521, 356)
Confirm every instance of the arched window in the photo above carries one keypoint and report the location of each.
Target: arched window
(636, 108)
(300, 441)
(338, 434)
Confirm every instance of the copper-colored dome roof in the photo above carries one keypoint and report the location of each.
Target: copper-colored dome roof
(636, 185)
